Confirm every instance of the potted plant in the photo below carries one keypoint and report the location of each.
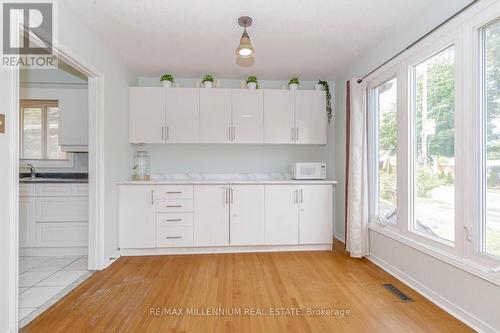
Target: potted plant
(207, 81)
(167, 80)
(293, 84)
(326, 88)
(252, 82)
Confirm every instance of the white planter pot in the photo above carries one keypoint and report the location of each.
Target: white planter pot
(318, 87)
(293, 86)
(208, 84)
(166, 84)
(252, 85)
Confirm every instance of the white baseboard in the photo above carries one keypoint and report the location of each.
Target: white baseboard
(53, 251)
(340, 238)
(456, 311)
(110, 260)
(225, 249)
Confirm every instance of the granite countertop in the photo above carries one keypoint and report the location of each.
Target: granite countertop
(200, 179)
(43, 178)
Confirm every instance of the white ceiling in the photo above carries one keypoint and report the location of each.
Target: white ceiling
(312, 39)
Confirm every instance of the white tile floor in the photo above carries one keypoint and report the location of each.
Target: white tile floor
(44, 280)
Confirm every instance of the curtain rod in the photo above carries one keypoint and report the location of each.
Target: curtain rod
(418, 40)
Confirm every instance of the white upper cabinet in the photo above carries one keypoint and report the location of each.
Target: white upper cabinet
(282, 215)
(146, 115)
(247, 215)
(182, 115)
(310, 117)
(211, 215)
(137, 217)
(278, 116)
(248, 116)
(315, 214)
(215, 115)
(192, 115)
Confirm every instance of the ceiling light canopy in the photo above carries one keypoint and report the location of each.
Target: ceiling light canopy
(245, 48)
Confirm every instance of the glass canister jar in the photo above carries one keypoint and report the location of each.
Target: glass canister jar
(140, 170)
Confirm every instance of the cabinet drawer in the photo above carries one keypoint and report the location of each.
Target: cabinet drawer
(181, 236)
(63, 209)
(174, 192)
(61, 234)
(174, 219)
(26, 190)
(174, 206)
(62, 190)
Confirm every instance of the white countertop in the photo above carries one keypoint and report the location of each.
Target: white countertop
(214, 179)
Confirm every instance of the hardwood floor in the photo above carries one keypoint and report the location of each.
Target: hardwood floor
(136, 293)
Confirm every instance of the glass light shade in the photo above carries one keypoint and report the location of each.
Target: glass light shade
(245, 48)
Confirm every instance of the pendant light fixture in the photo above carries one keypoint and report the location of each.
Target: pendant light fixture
(245, 48)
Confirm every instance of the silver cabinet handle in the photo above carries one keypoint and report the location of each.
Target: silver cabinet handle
(163, 132)
(173, 206)
(173, 237)
(178, 192)
(234, 133)
(229, 133)
(168, 133)
(296, 134)
(152, 196)
(173, 220)
(301, 196)
(295, 195)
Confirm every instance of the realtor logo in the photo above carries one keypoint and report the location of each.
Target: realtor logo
(28, 34)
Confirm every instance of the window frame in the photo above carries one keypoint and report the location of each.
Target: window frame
(464, 31)
(373, 154)
(40, 162)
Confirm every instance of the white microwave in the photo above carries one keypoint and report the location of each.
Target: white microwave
(308, 170)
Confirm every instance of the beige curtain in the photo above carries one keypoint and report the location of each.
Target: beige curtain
(357, 173)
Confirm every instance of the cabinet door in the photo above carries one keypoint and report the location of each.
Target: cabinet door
(146, 115)
(215, 115)
(137, 227)
(248, 115)
(26, 221)
(278, 116)
(73, 117)
(62, 209)
(211, 215)
(315, 214)
(247, 215)
(310, 117)
(282, 215)
(182, 116)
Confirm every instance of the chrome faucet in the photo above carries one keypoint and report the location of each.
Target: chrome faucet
(32, 171)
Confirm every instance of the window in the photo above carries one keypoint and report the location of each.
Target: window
(433, 110)
(39, 131)
(490, 242)
(385, 98)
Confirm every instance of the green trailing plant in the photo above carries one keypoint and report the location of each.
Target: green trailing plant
(326, 88)
(294, 80)
(207, 78)
(251, 79)
(167, 77)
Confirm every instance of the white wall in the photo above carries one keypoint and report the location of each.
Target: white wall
(7, 261)
(82, 42)
(468, 296)
(397, 40)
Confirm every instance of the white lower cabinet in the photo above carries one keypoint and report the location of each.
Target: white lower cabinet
(26, 221)
(282, 215)
(53, 215)
(247, 215)
(137, 217)
(315, 214)
(211, 215)
(168, 216)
